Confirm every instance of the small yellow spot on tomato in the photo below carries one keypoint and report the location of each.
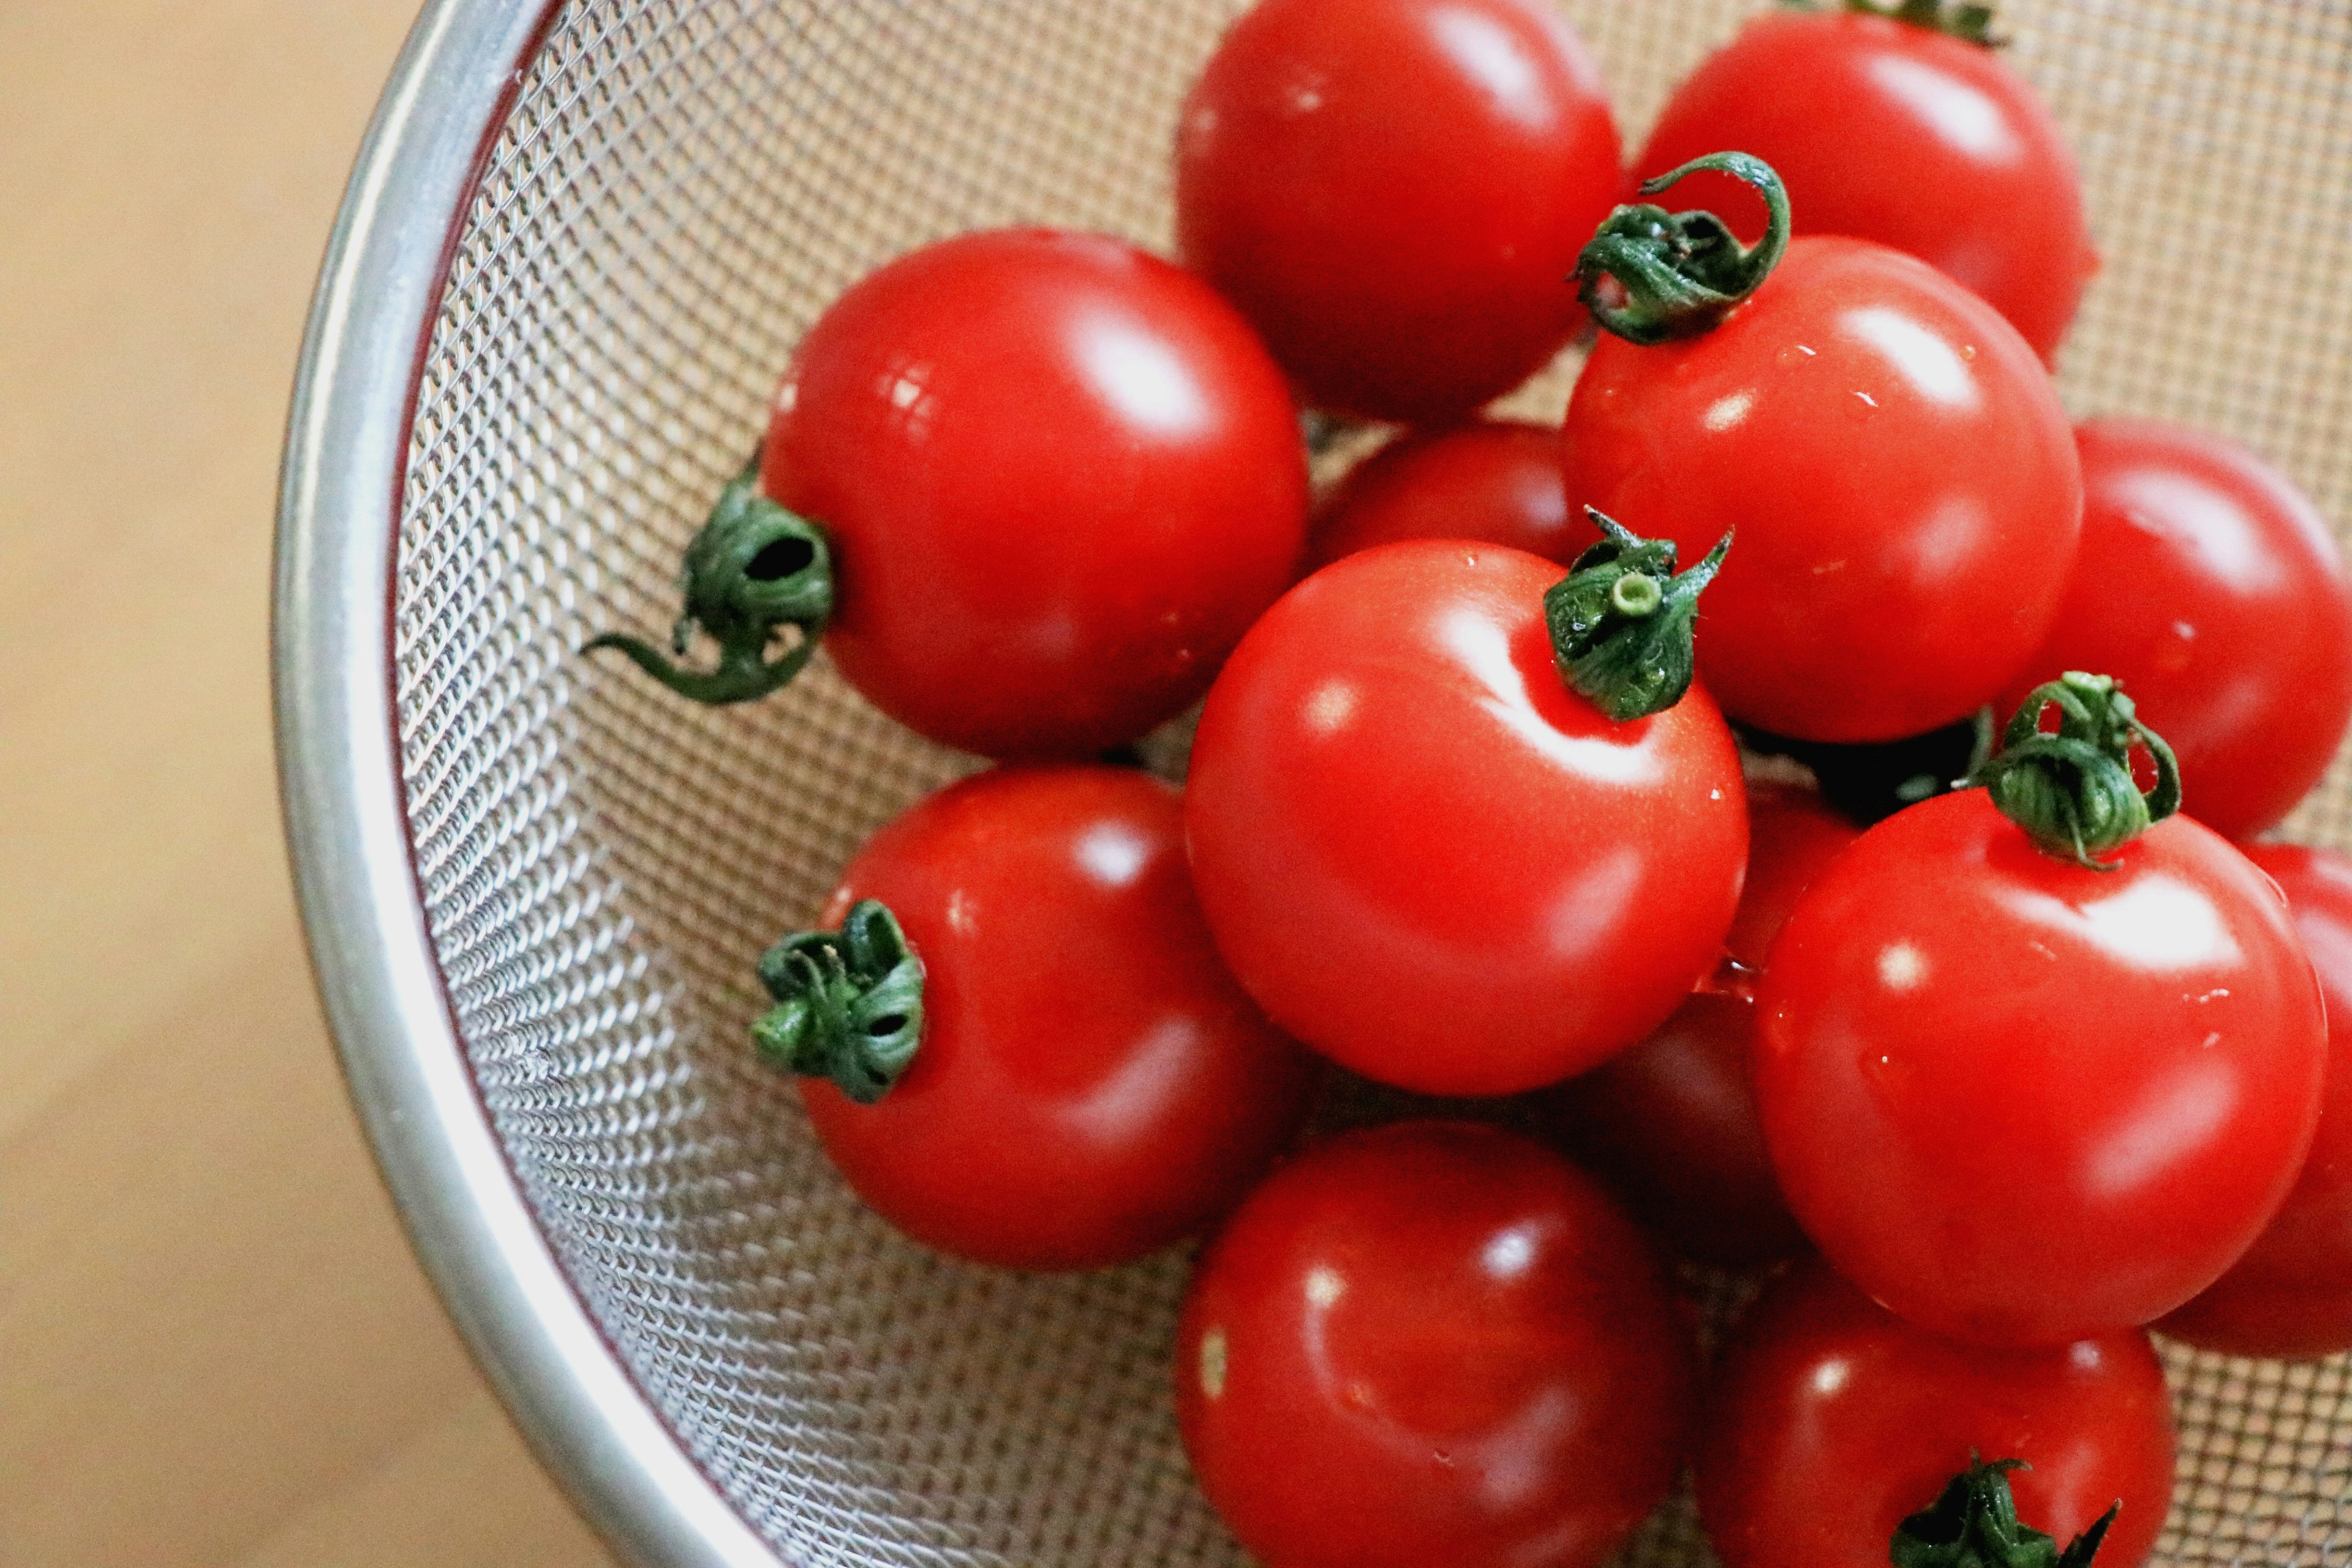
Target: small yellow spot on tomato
(1213, 1363)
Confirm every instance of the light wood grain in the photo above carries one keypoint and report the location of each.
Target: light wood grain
(215, 1346)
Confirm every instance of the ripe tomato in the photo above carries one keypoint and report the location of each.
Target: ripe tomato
(1090, 1084)
(1431, 861)
(2291, 1294)
(2020, 1101)
(1392, 190)
(1901, 474)
(1830, 1420)
(1060, 477)
(1899, 134)
(2212, 588)
(1432, 1342)
(1493, 481)
(1671, 1124)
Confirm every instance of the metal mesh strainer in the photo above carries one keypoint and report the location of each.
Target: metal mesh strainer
(579, 244)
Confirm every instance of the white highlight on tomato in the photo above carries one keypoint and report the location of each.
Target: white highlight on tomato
(1142, 377)
(1902, 966)
(1212, 1362)
(1489, 55)
(1324, 1286)
(1112, 854)
(1725, 413)
(1330, 707)
(1962, 113)
(1924, 361)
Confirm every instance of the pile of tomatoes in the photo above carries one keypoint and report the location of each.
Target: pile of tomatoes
(2001, 1045)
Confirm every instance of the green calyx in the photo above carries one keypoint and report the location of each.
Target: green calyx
(849, 1004)
(1969, 22)
(1620, 620)
(2073, 791)
(1681, 273)
(754, 570)
(1974, 1524)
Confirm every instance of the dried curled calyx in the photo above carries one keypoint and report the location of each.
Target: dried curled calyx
(849, 1004)
(2074, 792)
(1620, 620)
(1974, 1524)
(753, 570)
(1968, 23)
(1680, 273)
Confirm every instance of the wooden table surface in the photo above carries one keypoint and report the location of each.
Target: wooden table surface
(215, 1345)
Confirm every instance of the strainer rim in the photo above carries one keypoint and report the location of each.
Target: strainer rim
(379, 293)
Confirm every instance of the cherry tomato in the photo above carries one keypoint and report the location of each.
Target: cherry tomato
(2212, 588)
(2291, 1294)
(1431, 861)
(1091, 1085)
(1830, 1420)
(1899, 134)
(1060, 478)
(1432, 1342)
(2020, 1101)
(1902, 478)
(1493, 481)
(1392, 190)
(1671, 1124)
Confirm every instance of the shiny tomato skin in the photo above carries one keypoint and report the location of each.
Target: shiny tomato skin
(1899, 134)
(1428, 858)
(1091, 1085)
(1902, 478)
(1829, 1420)
(1432, 1342)
(2291, 1294)
(1671, 1124)
(1393, 191)
(2020, 1101)
(1060, 477)
(1492, 480)
(2212, 588)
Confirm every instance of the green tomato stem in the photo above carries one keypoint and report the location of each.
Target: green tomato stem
(753, 570)
(1968, 21)
(1620, 621)
(1974, 1524)
(2073, 791)
(849, 1004)
(1681, 273)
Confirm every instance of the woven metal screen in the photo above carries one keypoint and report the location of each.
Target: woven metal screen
(679, 189)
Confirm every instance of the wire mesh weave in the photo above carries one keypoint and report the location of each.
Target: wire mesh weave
(681, 186)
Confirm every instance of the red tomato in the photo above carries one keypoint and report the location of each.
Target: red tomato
(2291, 1295)
(1896, 133)
(1829, 1421)
(1393, 191)
(1431, 861)
(1671, 1124)
(2212, 588)
(1792, 836)
(1432, 1342)
(2020, 1101)
(1060, 477)
(1091, 1085)
(1493, 481)
(1901, 475)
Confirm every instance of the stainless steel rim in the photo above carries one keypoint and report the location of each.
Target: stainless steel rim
(378, 294)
